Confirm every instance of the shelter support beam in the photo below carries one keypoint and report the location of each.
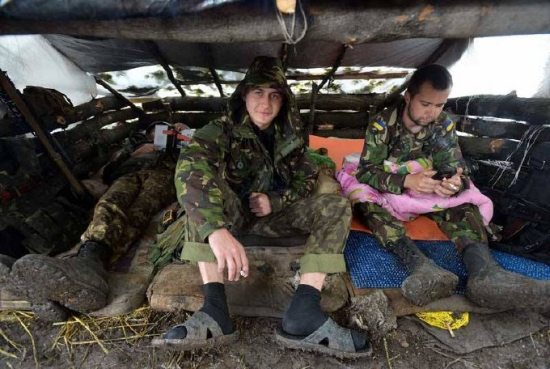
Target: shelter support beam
(328, 21)
(119, 96)
(153, 47)
(12, 92)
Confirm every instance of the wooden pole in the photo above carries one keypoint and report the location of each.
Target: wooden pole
(118, 95)
(14, 95)
(154, 49)
(335, 66)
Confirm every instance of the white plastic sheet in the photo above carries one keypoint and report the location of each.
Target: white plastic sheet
(32, 61)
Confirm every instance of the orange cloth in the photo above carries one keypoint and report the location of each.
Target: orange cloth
(421, 228)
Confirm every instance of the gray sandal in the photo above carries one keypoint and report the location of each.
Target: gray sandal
(202, 332)
(338, 340)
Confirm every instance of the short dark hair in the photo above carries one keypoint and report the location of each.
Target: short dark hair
(438, 76)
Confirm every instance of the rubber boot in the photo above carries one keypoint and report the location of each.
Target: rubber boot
(79, 283)
(489, 285)
(6, 262)
(427, 281)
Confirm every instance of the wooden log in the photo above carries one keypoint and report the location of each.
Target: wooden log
(355, 133)
(498, 128)
(308, 77)
(325, 120)
(338, 120)
(93, 108)
(91, 127)
(534, 111)
(9, 127)
(357, 102)
(327, 21)
(86, 148)
(188, 103)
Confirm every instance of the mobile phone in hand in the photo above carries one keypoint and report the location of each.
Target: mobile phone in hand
(441, 174)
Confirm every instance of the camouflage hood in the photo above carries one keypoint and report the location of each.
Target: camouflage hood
(266, 72)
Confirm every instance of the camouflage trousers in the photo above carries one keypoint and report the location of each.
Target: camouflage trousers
(325, 218)
(124, 211)
(462, 224)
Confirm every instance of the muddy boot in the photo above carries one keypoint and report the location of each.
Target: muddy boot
(6, 262)
(78, 283)
(489, 285)
(427, 281)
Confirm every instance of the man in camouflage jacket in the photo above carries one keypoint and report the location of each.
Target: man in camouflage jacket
(418, 128)
(249, 173)
(140, 186)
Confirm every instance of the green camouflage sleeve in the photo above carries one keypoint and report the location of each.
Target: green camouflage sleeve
(196, 178)
(444, 149)
(375, 151)
(304, 173)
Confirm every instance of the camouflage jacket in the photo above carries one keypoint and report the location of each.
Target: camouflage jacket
(228, 152)
(386, 138)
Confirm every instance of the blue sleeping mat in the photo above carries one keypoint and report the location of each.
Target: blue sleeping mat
(370, 266)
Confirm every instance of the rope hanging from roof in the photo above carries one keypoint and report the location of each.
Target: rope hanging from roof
(289, 35)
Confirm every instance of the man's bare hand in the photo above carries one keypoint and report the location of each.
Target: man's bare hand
(230, 254)
(143, 149)
(421, 182)
(449, 187)
(180, 127)
(260, 204)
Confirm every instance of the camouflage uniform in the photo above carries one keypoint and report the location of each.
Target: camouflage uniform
(226, 161)
(123, 212)
(387, 138)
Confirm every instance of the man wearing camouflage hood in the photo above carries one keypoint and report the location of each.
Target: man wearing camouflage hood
(249, 173)
(417, 128)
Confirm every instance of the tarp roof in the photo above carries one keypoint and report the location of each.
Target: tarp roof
(101, 35)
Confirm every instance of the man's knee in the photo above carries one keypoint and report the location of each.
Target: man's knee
(333, 202)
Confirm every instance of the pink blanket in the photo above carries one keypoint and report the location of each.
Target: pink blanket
(410, 204)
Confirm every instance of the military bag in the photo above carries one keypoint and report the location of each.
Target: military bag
(525, 207)
(48, 105)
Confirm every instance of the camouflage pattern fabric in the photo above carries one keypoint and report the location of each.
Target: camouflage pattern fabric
(228, 150)
(326, 218)
(123, 212)
(226, 161)
(387, 139)
(463, 224)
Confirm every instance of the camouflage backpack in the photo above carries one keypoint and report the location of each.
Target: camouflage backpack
(48, 105)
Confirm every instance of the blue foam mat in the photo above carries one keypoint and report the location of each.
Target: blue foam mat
(370, 266)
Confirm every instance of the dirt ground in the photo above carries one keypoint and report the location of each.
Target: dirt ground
(125, 343)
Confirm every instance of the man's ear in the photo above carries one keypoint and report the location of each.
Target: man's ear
(407, 97)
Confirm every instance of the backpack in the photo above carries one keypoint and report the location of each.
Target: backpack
(48, 105)
(525, 209)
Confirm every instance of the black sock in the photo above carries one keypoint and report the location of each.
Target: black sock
(215, 305)
(304, 316)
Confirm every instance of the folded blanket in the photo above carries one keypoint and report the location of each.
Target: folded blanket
(410, 204)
